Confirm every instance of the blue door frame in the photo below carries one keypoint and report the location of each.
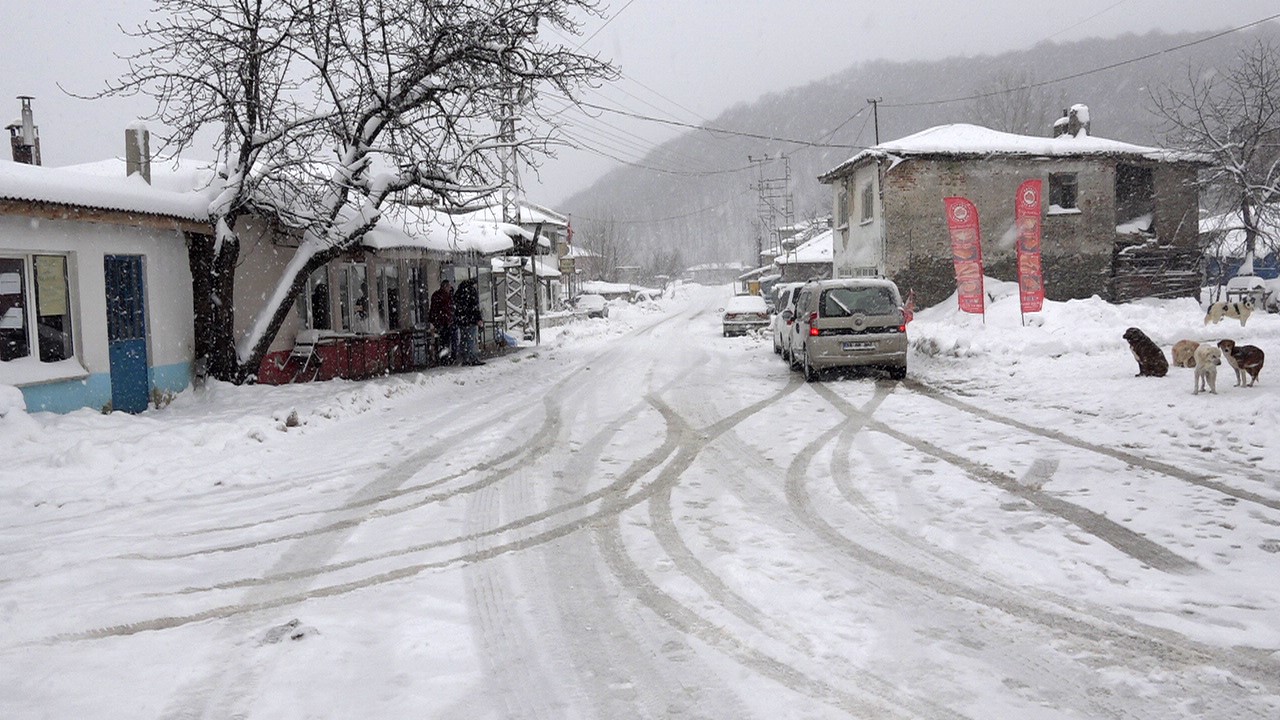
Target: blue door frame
(127, 333)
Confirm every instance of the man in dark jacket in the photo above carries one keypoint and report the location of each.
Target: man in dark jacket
(467, 316)
(441, 317)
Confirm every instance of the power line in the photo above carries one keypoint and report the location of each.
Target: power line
(718, 130)
(648, 221)
(1073, 26)
(1085, 73)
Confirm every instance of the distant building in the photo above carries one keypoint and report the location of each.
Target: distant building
(1120, 220)
(714, 273)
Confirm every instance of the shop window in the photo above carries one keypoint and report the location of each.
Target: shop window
(1062, 191)
(35, 308)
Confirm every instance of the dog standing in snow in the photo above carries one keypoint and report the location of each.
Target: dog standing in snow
(1184, 353)
(1239, 310)
(1151, 359)
(1244, 359)
(1207, 359)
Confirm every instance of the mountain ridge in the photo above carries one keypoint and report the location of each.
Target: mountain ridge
(707, 214)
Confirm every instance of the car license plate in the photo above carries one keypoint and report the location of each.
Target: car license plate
(853, 346)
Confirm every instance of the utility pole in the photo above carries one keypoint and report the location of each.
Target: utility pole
(875, 115)
(516, 293)
(774, 207)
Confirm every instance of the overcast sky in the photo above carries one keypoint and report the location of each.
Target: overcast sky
(683, 59)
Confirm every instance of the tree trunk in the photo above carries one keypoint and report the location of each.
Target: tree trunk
(213, 306)
(247, 368)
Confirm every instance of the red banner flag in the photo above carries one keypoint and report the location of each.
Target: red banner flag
(1030, 279)
(966, 252)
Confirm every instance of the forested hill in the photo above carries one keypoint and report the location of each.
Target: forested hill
(712, 204)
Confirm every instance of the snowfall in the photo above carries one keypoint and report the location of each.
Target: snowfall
(639, 518)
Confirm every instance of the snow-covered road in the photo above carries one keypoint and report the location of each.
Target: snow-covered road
(641, 519)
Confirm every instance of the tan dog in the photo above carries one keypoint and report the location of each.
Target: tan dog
(1244, 359)
(1207, 360)
(1239, 310)
(1184, 353)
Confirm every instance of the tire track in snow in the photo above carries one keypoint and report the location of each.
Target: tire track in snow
(633, 475)
(1173, 471)
(689, 621)
(1138, 641)
(1118, 536)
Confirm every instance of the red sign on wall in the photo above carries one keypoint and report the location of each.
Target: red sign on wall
(1027, 218)
(966, 252)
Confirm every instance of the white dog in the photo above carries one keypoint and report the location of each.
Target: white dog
(1239, 310)
(1208, 358)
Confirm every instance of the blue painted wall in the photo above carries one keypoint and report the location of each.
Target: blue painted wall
(94, 391)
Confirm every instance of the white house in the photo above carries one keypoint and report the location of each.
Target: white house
(95, 285)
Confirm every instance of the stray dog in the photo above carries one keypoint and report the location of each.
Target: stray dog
(1151, 359)
(1184, 353)
(1244, 359)
(1208, 358)
(1239, 310)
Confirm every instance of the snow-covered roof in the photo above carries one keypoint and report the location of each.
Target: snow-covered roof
(104, 186)
(575, 252)
(718, 266)
(1228, 232)
(820, 249)
(965, 140)
(423, 229)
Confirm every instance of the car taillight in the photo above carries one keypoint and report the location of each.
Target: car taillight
(902, 329)
(814, 332)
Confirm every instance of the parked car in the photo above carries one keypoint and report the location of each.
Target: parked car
(786, 294)
(853, 322)
(744, 313)
(594, 306)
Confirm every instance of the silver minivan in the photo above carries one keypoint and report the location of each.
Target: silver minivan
(851, 322)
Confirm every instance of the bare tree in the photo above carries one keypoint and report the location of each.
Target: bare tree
(1233, 116)
(1013, 102)
(327, 110)
(605, 240)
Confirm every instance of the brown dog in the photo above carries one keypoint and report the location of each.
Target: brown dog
(1244, 359)
(1151, 359)
(1184, 353)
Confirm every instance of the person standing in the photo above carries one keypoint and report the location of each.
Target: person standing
(441, 317)
(469, 320)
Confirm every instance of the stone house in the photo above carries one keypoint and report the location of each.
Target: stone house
(1120, 220)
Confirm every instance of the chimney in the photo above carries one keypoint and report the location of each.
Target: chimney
(137, 151)
(24, 136)
(1078, 120)
(1074, 121)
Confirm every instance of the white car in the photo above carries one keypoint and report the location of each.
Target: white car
(744, 313)
(785, 294)
(594, 306)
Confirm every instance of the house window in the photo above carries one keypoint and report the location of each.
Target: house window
(315, 305)
(1062, 191)
(35, 308)
(389, 294)
(868, 203)
(842, 207)
(353, 297)
(419, 297)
